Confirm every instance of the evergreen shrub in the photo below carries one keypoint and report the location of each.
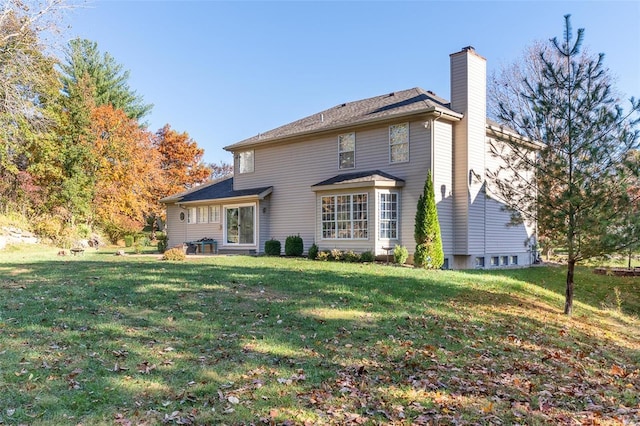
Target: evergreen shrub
(293, 245)
(367, 257)
(313, 252)
(272, 247)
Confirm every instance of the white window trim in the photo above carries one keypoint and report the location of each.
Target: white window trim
(253, 161)
(379, 212)
(203, 214)
(335, 220)
(340, 152)
(408, 143)
(214, 214)
(192, 215)
(255, 224)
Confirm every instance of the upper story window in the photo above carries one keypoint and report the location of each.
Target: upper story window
(399, 143)
(245, 162)
(347, 151)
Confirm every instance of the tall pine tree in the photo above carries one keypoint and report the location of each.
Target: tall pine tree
(110, 82)
(428, 253)
(581, 195)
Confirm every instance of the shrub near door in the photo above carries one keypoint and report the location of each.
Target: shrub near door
(272, 247)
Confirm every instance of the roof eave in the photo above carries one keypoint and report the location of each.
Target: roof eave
(356, 185)
(438, 111)
(505, 134)
(179, 196)
(242, 198)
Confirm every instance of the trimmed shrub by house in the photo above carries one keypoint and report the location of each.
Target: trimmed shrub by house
(272, 247)
(351, 257)
(313, 252)
(400, 255)
(293, 245)
(367, 257)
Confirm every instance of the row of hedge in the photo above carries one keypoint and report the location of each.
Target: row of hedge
(294, 246)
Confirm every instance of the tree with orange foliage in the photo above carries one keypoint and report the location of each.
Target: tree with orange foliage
(127, 172)
(181, 161)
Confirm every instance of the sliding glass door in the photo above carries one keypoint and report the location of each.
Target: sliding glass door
(240, 225)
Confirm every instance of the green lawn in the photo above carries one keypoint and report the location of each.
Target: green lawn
(104, 339)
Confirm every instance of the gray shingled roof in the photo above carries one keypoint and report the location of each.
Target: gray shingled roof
(401, 103)
(219, 190)
(354, 177)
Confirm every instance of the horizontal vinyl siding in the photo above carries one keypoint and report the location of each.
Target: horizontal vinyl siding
(180, 231)
(468, 96)
(443, 182)
(357, 245)
(501, 235)
(414, 174)
(293, 168)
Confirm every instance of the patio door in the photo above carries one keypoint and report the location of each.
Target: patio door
(240, 225)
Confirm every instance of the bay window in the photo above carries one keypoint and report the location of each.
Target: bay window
(345, 216)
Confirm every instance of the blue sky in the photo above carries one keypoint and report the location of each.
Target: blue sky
(225, 71)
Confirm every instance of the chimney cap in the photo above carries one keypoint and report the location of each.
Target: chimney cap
(469, 48)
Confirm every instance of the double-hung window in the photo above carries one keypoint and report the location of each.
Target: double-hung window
(388, 216)
(214, 214)
(399, 143)
(245, 162)
(344, 216)
(347, 151)
(191, 214)
(203, 216)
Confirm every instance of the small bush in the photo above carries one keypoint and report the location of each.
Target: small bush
(272, 247)
(367, 256)
(128, 240)
(293, 246)
(351, 256)
(323, 256)
(313, 252)
(174, 254)
(162, 242)
(336, 254)
(400, 255)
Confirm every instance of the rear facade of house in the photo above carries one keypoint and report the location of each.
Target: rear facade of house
(350, 178)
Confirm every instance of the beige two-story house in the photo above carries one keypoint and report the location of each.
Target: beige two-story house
(350, 177)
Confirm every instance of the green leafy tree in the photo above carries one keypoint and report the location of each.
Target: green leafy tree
(110, 82)
(583, 175)
(428, 253)
(28, 93)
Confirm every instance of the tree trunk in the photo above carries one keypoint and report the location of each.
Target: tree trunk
(568, 304)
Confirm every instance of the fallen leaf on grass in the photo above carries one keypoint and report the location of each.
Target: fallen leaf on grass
(145, 367)
(617, 371)
(117, 368)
